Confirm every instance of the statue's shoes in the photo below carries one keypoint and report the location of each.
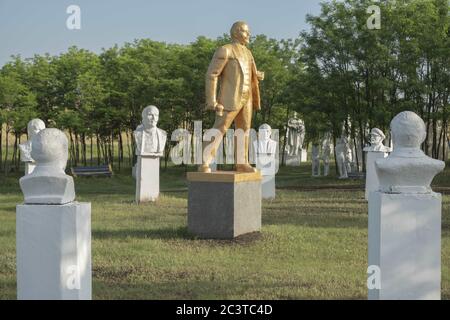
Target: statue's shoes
(245, 168)
(204, 168)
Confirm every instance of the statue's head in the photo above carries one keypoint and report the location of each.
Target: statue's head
(264, 132)
(50, 147)
(150, 116)
(408, 130)
(34, 126)
(376, 137)
(240, 32)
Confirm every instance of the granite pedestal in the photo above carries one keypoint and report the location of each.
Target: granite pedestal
(53, 251)
(147, 178)
(405, 243)
(224, 204)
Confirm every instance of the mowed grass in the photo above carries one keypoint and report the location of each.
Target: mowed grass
(313, 243)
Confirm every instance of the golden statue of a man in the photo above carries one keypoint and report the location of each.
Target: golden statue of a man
(233, 70)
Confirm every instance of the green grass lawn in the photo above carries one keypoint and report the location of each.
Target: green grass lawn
(313, 243)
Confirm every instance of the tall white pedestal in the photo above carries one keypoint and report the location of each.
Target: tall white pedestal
(54, 252)
(405, 243)
(372, 182)
(29, 167)
(147, 179)
(268, 187)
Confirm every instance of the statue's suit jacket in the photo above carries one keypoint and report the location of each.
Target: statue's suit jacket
(161, 136)
(227, 67)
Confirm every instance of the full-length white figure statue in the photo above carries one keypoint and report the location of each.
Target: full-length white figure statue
(326, 153)
(295, 135)
(405, 217)
(150, 143)
(33, 128)
(342, 157)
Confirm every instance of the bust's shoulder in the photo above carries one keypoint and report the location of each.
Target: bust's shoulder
(162, 132)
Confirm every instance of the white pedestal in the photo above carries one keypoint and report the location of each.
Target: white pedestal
(405, 243)
(326, 169)
(29, 167)
(372, 182)
(268, 187)
(147, 179)
(292, 161)
(303, 155)
(54, 252)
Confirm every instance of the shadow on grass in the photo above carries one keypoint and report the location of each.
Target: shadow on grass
(180, 233)
(164, 234)
(316, 221)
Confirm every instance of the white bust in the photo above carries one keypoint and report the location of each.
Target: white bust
(48, 183)
(33, 128)
(407, 169)
(150, 140)
(376, 141)
(265, 151)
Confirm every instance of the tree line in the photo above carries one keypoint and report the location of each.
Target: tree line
(340, 76)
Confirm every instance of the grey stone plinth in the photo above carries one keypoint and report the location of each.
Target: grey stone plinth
(53, 244)
(224, 205)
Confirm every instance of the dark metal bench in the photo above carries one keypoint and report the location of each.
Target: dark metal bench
(357, 175)
(104, 170)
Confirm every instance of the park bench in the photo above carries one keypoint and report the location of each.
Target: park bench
(104, 170)
(357, 175)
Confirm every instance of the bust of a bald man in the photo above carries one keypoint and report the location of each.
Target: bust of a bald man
(48, 183)
(407, 169)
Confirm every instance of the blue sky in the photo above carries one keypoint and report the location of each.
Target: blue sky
(39, 26)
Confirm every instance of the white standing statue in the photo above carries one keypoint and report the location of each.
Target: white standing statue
(33, 128)
(266, 151)
(315, 155)
(295, 136)
(326, 153)
(53, 231)
(375, 151)
(342, 157)
(405, 218)
(150, 143)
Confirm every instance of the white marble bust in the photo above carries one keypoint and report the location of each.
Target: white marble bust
(265, 150)
(376, 141)
(33, 128)
(48, 183)
(150, 140)
(407, 169)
